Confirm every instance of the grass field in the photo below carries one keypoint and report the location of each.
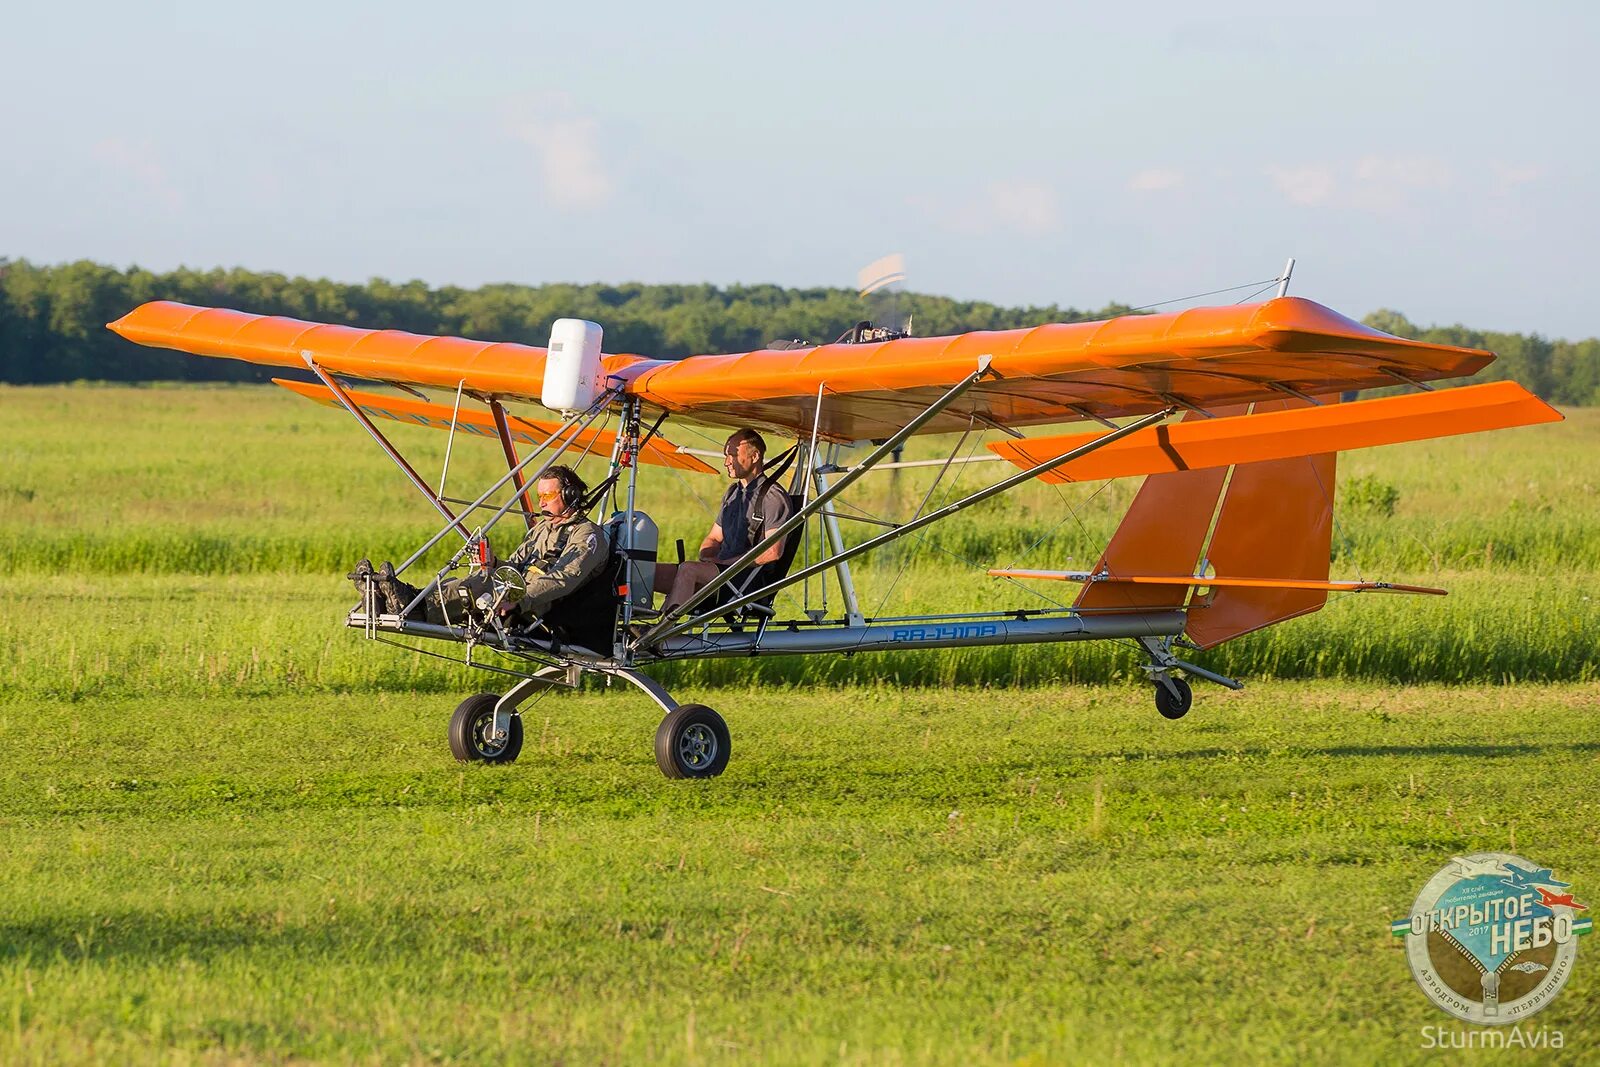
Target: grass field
(231, 831)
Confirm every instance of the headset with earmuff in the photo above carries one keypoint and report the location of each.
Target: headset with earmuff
(573, 488)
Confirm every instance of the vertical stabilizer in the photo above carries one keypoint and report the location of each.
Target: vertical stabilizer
(1276, 522)
(1163, 532)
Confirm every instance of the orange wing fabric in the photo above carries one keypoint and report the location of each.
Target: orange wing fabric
(1208, 357)
(1130, 365)
(1276, 521)
(655, 452)
(1272, 435)
(508, 371)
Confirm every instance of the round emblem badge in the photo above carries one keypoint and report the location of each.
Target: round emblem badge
(1492, 937)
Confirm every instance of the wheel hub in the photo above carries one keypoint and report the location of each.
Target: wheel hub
(482, 732)
(697, 746)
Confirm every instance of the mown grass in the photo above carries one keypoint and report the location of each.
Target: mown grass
(927, 878)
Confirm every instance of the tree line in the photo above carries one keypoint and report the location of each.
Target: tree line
(52, 321)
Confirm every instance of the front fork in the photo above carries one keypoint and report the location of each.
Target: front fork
(1163, 663)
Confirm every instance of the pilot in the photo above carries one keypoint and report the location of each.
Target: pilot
(751, 509)
(558, 557)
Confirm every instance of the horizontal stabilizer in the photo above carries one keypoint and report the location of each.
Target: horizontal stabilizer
(655, 452)
(1301, 431)
(1200, 581)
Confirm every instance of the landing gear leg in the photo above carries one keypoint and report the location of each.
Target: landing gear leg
(1173, 695)
(487, 727)
(692, 740)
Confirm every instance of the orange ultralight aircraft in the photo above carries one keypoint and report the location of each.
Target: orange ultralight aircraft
(1231, 416)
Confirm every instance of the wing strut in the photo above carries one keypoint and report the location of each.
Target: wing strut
(662, 632)
(383, 442)
(503, 428)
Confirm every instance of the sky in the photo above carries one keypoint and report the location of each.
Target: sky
(1427, 157)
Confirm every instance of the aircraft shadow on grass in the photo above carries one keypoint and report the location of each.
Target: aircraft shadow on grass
(1485, 750)
(131, 936)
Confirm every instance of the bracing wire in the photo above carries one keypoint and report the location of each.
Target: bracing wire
(1258, 286)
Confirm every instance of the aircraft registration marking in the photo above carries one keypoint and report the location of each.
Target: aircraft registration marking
(949, 632)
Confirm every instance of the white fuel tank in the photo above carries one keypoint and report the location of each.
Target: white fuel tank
(572, 372)
(638, 547)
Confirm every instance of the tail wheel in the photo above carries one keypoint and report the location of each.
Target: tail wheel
(470, 732)
(1170, 705)
(692, 742)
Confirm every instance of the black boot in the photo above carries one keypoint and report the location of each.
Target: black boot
(360, 576)
(364, 579)
(396, 594)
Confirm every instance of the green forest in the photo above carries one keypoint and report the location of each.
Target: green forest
(52, 321)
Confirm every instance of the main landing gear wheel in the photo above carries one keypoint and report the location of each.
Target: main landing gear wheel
(470, 727)
(1174, 707)
(692, 742)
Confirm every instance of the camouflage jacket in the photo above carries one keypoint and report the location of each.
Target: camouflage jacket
(557, 558)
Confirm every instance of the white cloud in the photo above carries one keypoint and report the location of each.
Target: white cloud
(1023, 206)
(1155, 180)
(1387, 184)
(1308, 186)
(139, 161)
(1380, 185)
(1407, 172)
(569, 155)
(1019, 205)
(1508, 175)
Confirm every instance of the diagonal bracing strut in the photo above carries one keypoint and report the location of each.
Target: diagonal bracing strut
(383, 442)
(732, 570)
(661, 633)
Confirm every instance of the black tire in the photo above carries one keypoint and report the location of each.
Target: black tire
(1174, 707)
(692, 742)
(472, 720)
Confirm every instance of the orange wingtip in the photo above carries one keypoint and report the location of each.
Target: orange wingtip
(656, 452)
(503, 369)
(1302, 431)
(1201, 581)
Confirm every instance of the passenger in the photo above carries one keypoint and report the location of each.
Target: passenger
(558, 557)
(752, 508)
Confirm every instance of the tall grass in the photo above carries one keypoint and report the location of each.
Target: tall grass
(194, 539)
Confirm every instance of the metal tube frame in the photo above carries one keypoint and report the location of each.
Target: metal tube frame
(813, 506)
(662, 633)
(628, 456)
(830, 529)
(450, 442)
(587, 418)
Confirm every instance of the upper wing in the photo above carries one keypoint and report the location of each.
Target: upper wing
(509, 371)
(1205, 357)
